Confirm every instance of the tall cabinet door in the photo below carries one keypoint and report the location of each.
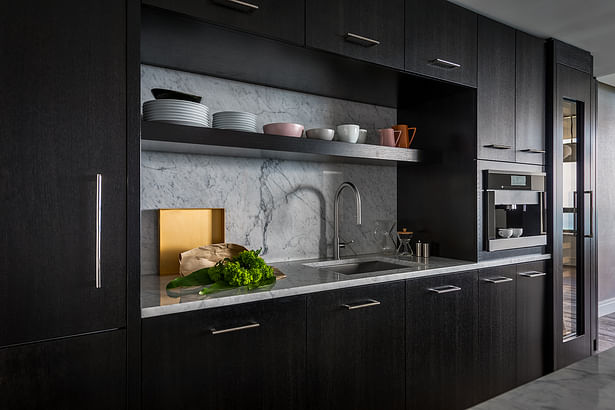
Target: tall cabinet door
(63, 123)
(496, 91)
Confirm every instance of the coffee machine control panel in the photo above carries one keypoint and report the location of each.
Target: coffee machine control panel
(515, 181)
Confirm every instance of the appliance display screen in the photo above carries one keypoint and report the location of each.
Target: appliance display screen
(517, 180)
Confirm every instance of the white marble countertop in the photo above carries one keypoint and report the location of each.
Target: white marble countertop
(587, 384)
(302, 279)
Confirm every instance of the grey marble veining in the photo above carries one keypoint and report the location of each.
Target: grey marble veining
(269, 104)
(587, 384)
(283, 207)
(303, 279)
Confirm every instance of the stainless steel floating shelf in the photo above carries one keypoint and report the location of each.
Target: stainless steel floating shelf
(156, 136)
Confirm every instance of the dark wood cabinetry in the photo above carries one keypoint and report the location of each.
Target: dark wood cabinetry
(356, 348)
(245, 356)
(280, 19)
(532, 335)
(441, 335)
(365, 29)
(497, 331)
(63, 122)
(84, 372)
(530, 99)
(496, 91)
(441, 41)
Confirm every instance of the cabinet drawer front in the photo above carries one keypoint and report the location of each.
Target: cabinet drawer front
(367, 30)
(441, 332)
(242, 348)
(441, 41)
(281, 19)
(356, 348)
(84, 372)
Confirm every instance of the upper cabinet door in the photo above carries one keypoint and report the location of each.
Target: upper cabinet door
(280, 19)
(496, 91)
(441, 41)
(370, 30)
(530, 101)
(63, 122)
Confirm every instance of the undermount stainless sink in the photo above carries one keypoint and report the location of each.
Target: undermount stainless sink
(356, 267)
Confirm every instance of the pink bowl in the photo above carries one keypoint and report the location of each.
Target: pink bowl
(286, 129)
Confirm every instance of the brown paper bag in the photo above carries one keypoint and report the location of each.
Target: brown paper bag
(206, 256)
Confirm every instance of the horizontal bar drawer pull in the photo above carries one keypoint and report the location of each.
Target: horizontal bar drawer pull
(438, 62)
(234, 329)
(532, 274)
(498, 146)
(238, 4)
(498, 279)
(534, 151)
(364, 41)
(444, 289)
(361, 305)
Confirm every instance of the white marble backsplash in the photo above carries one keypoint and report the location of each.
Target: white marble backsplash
(283, 207)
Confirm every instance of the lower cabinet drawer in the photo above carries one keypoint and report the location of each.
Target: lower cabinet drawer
(244, 356)
(81, 372)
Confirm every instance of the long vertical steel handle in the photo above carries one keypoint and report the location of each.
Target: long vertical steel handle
(98, 228)
(591, 214)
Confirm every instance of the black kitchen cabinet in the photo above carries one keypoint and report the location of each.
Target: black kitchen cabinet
(441, 41)
(441, 337)
(236, 357)
(496, 331)
(370, 30)
(84, 372)
(531, 317)
(530, 99)
(63, 122)
(496, 91)
(355, 340)
(279, 19)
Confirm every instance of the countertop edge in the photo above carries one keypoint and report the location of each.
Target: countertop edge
(155, 311)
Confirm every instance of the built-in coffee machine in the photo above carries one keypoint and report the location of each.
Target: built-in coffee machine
(514, 210)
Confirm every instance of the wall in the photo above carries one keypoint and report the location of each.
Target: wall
(284, 207)
(605, 196)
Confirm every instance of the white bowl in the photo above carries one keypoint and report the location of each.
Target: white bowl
(347, 133)
(320, 133)
(505, 232)
(517, 232)
(362, 136)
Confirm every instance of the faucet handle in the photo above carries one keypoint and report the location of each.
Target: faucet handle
(343, 244)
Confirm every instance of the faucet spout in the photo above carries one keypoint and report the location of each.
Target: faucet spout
(336, 234)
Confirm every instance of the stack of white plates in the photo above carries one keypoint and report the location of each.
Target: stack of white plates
(235, 120)
(176, 112)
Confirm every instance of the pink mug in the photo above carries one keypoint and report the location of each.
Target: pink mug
(389, 137)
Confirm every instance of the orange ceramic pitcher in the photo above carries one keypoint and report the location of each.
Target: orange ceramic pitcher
(405, 139)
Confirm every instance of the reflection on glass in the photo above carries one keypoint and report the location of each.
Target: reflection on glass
(569, 251)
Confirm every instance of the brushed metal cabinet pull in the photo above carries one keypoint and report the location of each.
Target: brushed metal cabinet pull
(498, 146)
(361, 305)
(234, 329)
(534, 151)
(439, 62)
(238, 4)
(444, 289)
(591, 214)
(497, 279)
(98, 230)
(532, 274)
(361, 40)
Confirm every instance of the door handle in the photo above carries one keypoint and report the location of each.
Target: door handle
(439, 62)
(234, 329)
(444, 289)
(591, 214)
(532, 274)
(498, 279)
(534, 151)
(361, 305)
(98, 274)
(237, 5)
(498, 146)
(361, 40)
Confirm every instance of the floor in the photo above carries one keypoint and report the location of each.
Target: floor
(606, 332)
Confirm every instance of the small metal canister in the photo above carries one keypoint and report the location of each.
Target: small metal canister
(425, 250)
(419, 249)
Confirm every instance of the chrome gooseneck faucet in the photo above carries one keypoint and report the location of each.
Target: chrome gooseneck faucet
(336, 234)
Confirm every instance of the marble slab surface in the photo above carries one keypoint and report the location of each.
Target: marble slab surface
(587, 384)
(303, 279)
